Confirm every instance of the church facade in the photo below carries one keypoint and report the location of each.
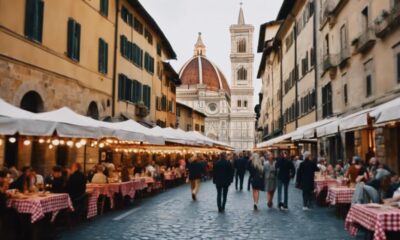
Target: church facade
(229, 108)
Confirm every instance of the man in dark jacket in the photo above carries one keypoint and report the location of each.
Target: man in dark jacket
(222, 178)
(240, 165)
(286, 171)
(196, 170)
(76, 184)
(305, 179)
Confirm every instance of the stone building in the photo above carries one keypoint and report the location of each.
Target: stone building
(99, 59)
(189, 119)
(346, 70)
(229, 109)
(242, 117)
(205, 89)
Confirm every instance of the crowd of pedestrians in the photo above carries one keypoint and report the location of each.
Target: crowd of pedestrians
(269, 173)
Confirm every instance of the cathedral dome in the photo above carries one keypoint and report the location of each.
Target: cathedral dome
(200, 70)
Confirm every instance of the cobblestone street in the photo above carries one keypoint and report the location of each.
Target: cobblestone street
(173, 215)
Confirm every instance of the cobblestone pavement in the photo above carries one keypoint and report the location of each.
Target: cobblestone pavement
(173, 215)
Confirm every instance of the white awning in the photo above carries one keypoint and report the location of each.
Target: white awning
(387, 112)
(15, 120)
(275, 140)
(150, 136)
(356, 120)
(308, 131)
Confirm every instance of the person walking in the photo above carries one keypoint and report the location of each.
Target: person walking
(286, 171)
(270, 178)
(222, 178)
(196, 170)
(256, 170)
(240, 164)
(305, 179)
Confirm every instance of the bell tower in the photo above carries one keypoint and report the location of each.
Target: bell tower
(242, 91)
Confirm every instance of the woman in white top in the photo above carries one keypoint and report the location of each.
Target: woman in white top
(99, 177)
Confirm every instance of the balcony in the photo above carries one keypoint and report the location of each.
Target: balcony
(331, 9)
(329, 63)
(388, 21)
(345, 54)
(365, 41)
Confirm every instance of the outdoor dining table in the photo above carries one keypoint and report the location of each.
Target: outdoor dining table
(106, 189)
(38, 205)
(128, 188)
(374, 217)
(339, 195)
(323, 184)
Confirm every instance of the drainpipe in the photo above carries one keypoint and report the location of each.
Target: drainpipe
(114, 78)
(315, 59)
(296, 75)
(281, 83)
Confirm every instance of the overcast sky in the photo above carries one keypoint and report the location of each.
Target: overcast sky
(181, 20)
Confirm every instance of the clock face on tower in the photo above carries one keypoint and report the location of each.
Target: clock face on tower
(212, 108)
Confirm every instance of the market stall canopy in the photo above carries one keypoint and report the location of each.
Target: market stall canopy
(387, 112)
(15, 120)
(195, 137)
(150, 136)
(170, 135)
(72, 124)
(308, 131)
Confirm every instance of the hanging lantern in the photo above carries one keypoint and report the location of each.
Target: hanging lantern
(78, 145)
(50, 146)
(12, 139)
(101, 145)
(62, 142)
(27, 142)
(41, 140)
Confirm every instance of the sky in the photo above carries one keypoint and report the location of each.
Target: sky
(182, 20)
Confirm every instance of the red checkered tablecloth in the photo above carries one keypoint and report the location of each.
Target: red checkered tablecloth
(38, 206)
(378, 220)
(108, 189)
(169, 176)
(128, 189)
(94, 192)
(322, 184)
(339, 195)
(139, 183)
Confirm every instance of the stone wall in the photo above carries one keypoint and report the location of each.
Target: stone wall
(56, 91)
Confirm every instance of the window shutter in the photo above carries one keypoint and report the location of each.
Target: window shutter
(70, 41)
(29, 15)
(120, 82)
(149, 96)
(105, 61)
(78, 41)
(40, 21)
(100, 59)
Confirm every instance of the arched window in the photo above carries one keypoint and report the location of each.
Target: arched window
(245, 103)
(241, 46)
(32, 102)
(93, 111)
(242, 74)
(239, 103)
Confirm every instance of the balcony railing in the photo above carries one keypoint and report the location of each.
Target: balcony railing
(388, 21)
(365, 41)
